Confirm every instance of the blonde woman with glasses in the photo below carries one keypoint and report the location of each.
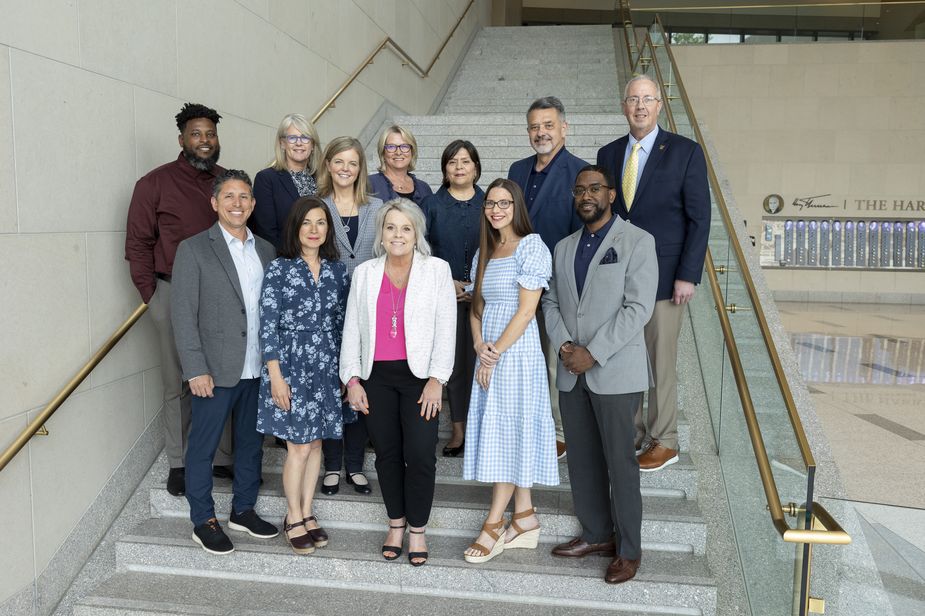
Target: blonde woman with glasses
(398, 154)
(291, 174)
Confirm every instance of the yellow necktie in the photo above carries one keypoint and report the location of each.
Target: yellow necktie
(629, 177)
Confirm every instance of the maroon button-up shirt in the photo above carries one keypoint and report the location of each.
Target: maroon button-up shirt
(170, 204)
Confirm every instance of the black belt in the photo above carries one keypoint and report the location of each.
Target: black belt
(163, 277)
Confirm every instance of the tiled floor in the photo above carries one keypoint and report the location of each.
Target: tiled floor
(865, 366)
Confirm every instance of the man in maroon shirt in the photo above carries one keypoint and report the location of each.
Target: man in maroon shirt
(170, 204)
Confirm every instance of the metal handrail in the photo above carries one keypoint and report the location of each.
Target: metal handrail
(37, 425)
(407, 60)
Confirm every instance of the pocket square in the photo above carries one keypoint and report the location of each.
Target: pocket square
(609, 257)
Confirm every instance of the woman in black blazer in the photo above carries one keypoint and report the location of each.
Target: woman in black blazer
(292, 174)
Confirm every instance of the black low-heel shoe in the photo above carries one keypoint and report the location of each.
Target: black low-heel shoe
(453, 452)
(359, 487)
(332, 489)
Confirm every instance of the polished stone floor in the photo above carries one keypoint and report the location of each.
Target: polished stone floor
(865, 367)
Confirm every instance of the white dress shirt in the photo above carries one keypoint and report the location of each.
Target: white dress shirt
(250, 275)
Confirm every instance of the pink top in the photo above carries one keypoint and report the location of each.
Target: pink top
(390, 332)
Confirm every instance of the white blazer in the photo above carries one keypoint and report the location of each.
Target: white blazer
(429, 319)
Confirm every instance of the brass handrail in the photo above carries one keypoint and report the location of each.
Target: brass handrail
(407, 60)
(627, 23)
(37, 424)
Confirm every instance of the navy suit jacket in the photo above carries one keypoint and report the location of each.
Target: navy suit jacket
(672, 203)
(553, 212)
(274, 194)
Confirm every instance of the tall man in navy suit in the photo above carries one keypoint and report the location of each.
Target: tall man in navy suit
(547, 179)
(663, 190)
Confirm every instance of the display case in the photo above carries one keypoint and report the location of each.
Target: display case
(842, 243)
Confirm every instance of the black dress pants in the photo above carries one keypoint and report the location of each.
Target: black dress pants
(459, 387)
(405, 443)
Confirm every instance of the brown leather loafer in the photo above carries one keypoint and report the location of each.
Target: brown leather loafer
(620, 570)
(579, 548)
(656, 457)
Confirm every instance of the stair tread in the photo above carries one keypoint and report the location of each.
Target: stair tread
(473, 495)
(132, 590)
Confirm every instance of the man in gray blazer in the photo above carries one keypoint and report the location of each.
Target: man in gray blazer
(214, 302)
(600, 298)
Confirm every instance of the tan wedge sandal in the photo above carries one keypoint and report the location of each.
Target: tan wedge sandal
(524, 538)
(496, 532)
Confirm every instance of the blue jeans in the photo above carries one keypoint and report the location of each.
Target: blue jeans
(208, 419)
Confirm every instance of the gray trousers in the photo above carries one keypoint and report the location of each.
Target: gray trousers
(602, 466)
(661, 418)
(177, 403)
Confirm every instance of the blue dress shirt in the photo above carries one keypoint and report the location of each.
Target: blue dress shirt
(587, 246)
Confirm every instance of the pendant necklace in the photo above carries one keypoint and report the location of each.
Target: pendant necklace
(393, 331)
(344, 221)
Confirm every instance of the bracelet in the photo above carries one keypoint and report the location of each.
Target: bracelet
(354, 380)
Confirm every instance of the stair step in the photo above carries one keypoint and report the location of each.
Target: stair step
(353, 559)
(670, 522)
(159, 594)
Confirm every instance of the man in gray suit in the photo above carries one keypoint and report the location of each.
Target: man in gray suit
(214, 302)
(600, 297)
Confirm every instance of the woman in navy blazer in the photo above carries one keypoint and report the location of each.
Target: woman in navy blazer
(291, 174)
(398, 154)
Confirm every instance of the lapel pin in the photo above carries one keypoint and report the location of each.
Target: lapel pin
(661, 147)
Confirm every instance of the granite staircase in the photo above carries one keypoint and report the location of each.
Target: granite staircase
(153, 568)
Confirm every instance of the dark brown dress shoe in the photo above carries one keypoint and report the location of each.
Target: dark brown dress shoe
(578, 548)
(620, 570)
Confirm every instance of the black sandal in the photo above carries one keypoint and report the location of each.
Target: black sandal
(413, 555)
(393, 548)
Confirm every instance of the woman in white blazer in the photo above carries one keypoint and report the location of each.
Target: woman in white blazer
(396, 355)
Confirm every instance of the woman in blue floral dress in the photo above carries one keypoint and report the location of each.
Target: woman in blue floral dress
(301, 317)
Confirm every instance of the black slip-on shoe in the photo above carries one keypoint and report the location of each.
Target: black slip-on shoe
(176, 481)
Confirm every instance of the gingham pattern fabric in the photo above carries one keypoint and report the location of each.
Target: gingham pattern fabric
(510, 435)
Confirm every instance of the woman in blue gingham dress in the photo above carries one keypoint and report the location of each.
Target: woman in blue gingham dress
(510, 435)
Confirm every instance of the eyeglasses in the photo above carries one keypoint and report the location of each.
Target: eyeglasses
(294, 139)
(594, 189)
(632, 101)
(402, 147)
(503, 204)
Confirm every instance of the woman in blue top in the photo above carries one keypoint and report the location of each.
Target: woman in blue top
(453, 217)
(398, 154)
(301, 318)
(510, 434)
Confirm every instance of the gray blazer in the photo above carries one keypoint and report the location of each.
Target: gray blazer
(608, 319)
(207, 307)
(366, 236)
